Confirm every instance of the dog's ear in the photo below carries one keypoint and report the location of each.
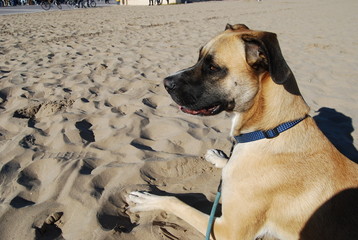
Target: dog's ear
(255, 54)
(263, 50)
(236, 27)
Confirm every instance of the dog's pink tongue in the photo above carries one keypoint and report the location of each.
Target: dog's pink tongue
(196, 112)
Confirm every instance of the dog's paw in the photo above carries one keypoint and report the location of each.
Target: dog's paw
(144, 201)
(216, 157)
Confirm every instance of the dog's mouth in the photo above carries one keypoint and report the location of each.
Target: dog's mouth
(203, 112)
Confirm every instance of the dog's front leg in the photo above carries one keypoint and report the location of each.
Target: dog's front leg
(143, 201)
(216, 157)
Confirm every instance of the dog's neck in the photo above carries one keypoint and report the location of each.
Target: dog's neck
(273, 105)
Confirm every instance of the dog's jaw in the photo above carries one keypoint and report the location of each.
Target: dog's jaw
(205, 111)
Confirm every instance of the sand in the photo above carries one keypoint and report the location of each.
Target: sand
(84, 118)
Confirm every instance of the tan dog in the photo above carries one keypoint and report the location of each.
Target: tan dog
(292, 186)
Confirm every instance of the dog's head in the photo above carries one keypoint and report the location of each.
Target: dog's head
(228, 72)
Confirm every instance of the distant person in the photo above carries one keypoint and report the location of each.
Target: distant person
(80, 4)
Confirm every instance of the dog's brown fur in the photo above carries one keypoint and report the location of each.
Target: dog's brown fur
(294, 186)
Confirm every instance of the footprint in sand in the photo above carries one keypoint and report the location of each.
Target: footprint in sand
(28, 179)
(50, 229)
(4, 71)
(87, 166)
(8, 172)
(168, 230)
(173, 171)
(100, 182)
(4, 95)
(19, 202)
(29, 92)
(148, 102)
(113, 216)
(28, 141)
(32, 92)
(86, 134)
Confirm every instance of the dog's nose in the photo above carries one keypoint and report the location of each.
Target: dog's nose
(169, 83)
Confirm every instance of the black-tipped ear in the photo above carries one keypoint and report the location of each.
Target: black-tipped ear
(236, 27)
(267, 44)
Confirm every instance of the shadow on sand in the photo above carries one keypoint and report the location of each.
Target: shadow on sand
(338, 128)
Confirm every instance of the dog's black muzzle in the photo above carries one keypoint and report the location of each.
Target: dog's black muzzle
(184, 88)
(193, 95)
(169, 84)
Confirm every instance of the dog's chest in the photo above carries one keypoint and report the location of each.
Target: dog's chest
(238, 159)
(231, 171)
(244, 165)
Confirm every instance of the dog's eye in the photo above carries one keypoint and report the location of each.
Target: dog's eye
(214, 68)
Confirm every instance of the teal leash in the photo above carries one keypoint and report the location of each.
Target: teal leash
(212, 213)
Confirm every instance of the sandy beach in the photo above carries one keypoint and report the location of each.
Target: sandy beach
(85, 119)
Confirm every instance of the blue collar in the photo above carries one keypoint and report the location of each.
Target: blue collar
(271, 133)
